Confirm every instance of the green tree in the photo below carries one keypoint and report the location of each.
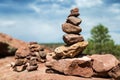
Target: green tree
(99, 41)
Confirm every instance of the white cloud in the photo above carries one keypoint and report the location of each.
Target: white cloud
(34, 29)
(53, 8)
(115, 8)
(88, 3)
(7, 23)
(35, 8)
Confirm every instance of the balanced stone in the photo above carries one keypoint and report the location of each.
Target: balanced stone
(69, 28)
(74, 20)
(74, 12)
(72, 38)
(70, 51)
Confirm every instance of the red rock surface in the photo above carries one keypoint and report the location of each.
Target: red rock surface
(6, 73)
(103, 63)
(115, 72)
(12, 41)
(8, 45)
(76, 66)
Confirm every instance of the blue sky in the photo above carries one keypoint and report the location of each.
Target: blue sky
(40, 20)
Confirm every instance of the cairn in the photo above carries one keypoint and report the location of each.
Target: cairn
(75, 43)
(64, 60)
(27, 58)
(105, 65)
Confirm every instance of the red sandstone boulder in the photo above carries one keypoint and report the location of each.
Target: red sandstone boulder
(76, 66)
(69, 28)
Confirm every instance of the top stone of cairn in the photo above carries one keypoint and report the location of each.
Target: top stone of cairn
(74, 12)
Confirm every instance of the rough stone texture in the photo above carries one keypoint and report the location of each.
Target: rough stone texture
(103, 63)
(77, 66)
(32, 68)
(49, 56)
(74, 20)
(6, 73)
(28, 57)
(69, 28)
(22, 52)
(9, 45)
(74, 12)
(70, 51)
(33, 49)
(72, 38)
(115, 72)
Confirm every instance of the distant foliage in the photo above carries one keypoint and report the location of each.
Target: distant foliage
(101, 42)
(52, 46)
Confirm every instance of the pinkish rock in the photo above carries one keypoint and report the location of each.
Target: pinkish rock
(32, 68)
(72, 38)
(103, 63)
(22, 52)
(69, 28)
(70, 51)
(76, 66)
(115, 72)
(74, 20)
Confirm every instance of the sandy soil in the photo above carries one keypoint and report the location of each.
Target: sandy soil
(6, 73)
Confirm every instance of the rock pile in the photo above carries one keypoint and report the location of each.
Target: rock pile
(63, 58)
(75, 43)
(28, 57)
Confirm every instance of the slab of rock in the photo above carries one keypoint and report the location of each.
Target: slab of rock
(74, 20)
(72, 38)
(103, 63)
(76, 66)
(74, 12)
(70, 51)
(69, 28)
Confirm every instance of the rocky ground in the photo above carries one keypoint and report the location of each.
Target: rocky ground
(6, 73)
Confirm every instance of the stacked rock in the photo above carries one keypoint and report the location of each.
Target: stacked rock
(27, 58)
(71, 27)
(75, 43)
